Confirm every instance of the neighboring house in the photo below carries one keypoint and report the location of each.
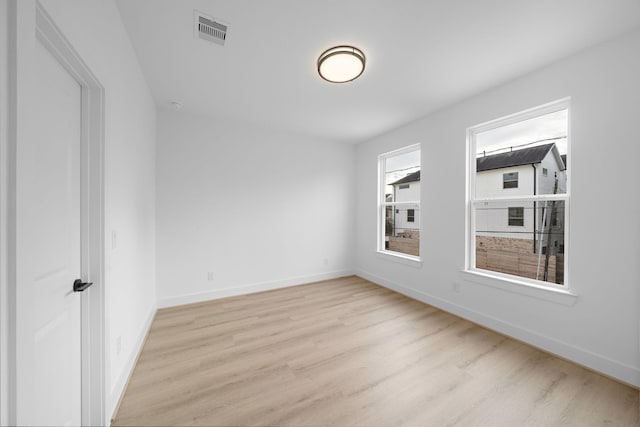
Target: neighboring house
(529, 171)
(402, 233)
(406, 220)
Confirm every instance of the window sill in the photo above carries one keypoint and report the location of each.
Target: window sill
(558, 296)
(409, 260)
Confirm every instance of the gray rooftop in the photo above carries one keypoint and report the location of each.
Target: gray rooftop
(525, 156)
(415, 176)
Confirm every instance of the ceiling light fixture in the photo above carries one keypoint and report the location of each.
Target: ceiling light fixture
(341, 64)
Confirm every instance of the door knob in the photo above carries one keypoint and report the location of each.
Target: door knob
(79, 285)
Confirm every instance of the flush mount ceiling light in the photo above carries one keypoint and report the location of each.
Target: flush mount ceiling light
(341, 64)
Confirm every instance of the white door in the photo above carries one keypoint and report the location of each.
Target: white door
(48, 251)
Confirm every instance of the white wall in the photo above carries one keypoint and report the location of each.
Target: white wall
(410, 194)
(599, 328)
(4, 186)
(256, 208)
(490, 183)
(96, 31)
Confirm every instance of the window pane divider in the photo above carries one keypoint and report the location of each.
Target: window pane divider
(400, 203)
(536, 198)
(504, 278)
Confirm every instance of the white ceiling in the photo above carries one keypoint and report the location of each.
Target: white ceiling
(422, 55)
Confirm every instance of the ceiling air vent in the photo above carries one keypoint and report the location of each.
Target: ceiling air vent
(210, 29)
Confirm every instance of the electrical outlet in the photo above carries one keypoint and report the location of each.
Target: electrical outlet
(118, 344)
(326, 262)
(210, 275)
(456, 287)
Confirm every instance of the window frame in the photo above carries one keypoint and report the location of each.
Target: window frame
(511, 217)
(505, 180)
(472, 201)
(383, 204)
(411, 215)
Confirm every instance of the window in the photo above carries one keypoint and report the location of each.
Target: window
(520, 234)
(516, 217)
(399, 215)
(510, 180)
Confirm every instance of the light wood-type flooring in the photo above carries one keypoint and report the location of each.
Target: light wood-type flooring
(347, 352)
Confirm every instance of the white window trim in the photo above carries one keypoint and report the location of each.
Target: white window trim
(382, 204)
(412, 216)
(504, 180)
(410, 260)
(509, 217)
(497, 279)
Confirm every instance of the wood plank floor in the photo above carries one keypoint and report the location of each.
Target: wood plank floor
(347, 352)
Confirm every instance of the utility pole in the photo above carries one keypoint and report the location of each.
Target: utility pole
(551, 217)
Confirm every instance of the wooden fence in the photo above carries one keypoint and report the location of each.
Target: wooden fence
(520, 264)
(407, 242)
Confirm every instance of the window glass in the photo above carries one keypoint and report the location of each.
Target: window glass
(518, 206)
(399, 230)
(516, 217)
(510, 180)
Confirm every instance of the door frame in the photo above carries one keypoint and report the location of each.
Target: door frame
(4, 235)
(28, 23)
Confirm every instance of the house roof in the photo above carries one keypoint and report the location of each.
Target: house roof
(564, 159)
(525, 156)
(415, 176)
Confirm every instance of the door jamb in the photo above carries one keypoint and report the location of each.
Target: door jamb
(92, 218)
(92, 210)
(5, 179)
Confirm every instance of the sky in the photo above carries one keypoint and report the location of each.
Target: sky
(531, 132)
(397, 167)
(554, 125)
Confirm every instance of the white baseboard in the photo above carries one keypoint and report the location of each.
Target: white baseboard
(123, 379)
(249, 288)
(611, 368)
